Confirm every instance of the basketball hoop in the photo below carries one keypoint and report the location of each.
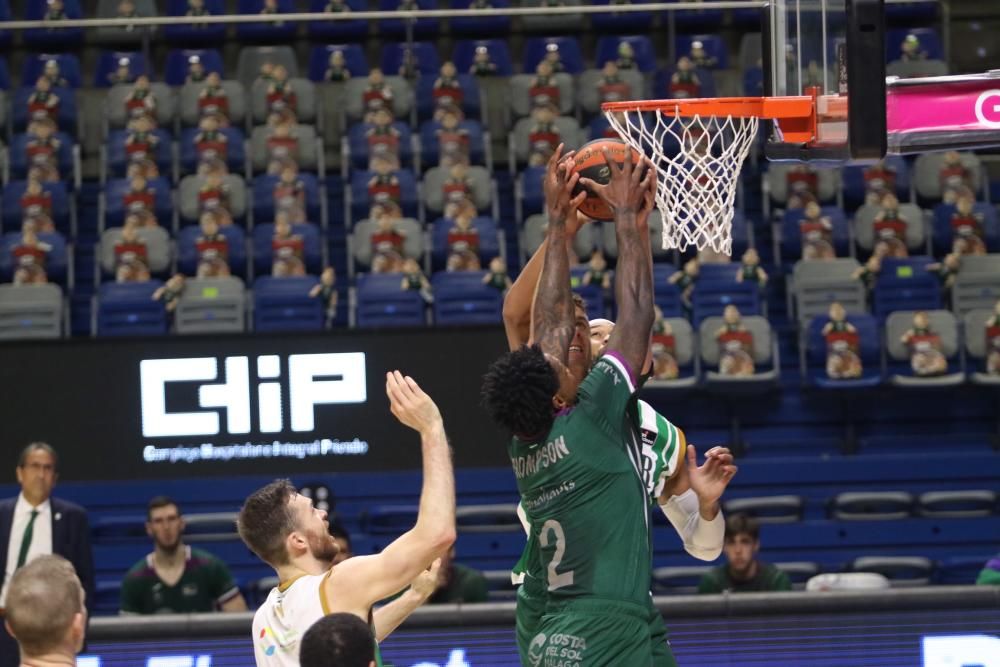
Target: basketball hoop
(698, 147)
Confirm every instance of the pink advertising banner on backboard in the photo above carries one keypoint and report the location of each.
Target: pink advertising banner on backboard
(952, 105)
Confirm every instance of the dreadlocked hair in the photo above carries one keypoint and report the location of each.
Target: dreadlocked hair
(518, 389)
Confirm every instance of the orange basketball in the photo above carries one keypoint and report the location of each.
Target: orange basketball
(590, 163)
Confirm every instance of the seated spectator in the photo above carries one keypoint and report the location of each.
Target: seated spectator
(55, 12)
(684, 83)
(880, 180)
(337, 639)
(387, 242)
(53, 73)
(209, 142)
(463, 245)
(140, 218)
(482, 63)
(43, 104)
(140, 141)
(910, 49)
(890, 227)
(176, 578)
(145, 168)
(197, 8)
(685, 280)
(611, 86)
(196, 70)
(36, 206)
(553, 57)
(803, 186)
(544, 92)
(290, 194)
(967, 226)
(544, 136)
(30, 257)
(414, 279)
(735, 344)
(457, 583)
(409, 63)
(139, 197)
(817, 233)
(131, 258)
(383, 186)
(751, 270)
(337, 71)
(597, 272)
(282, 147)
(377, 95)
(42, 148)
(122, 73)
(954, 177)
(140, 100)
(457, 188)
(271, 7)
(663, 348)
(336, 7)
(46, 613)
(990, 575)
(280, 94)
(326, 291)
(926, 355)
(213, 249)
(453, 141)
(213, 101)
(842, 359)
(743, 573)
(700, 57)
(868, 272)
(171, 291)
(448, 93)
(287, 247)
(947, 269)
(497, 276)
(383, 139)
(213, 197)
(626, 56)
(127, 10)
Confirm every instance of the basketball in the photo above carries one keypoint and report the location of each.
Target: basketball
(589, 162)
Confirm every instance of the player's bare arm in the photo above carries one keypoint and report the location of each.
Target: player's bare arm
(390, 616)
(517, 303)
(630, 194)
(359, 582)
(553, 313)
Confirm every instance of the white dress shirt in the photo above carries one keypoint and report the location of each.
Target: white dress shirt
(41, 537)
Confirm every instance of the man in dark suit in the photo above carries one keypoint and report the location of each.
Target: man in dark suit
(34, 523)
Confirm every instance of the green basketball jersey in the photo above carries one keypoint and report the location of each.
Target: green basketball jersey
(581, 491)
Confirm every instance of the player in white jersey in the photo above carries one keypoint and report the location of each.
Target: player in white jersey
(288, 533)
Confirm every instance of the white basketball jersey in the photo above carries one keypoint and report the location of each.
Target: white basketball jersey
(290, 610)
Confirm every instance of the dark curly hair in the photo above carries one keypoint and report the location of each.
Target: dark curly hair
(518, 389)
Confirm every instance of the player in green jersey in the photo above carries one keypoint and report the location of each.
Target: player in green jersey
(577, 470)
(695, 515)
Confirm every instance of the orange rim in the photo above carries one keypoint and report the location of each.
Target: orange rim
(797, 115)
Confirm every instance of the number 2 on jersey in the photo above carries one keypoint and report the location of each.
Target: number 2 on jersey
(556, 580)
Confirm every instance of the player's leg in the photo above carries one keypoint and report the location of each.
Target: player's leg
(663, 656)
(530, 608)
(592, 634)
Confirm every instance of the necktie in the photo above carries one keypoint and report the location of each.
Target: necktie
(26, 540)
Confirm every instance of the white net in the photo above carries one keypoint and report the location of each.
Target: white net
(698, 160)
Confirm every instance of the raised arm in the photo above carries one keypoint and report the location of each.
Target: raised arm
(390, 616)
(553, 312)
(518, 300)
(631, 194)
(359, 582)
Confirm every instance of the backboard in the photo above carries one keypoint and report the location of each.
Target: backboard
(835, 50)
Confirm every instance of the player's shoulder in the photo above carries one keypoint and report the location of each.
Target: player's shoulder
(612, 367)
(141, 570)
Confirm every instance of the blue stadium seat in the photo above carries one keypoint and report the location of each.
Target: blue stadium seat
(354, 58)
(741, 233)
(235, 149)
(397, 27)
(869, 350)
(642, 46)
(337, 30)
(18, 156)
(599, 128)
(626, 21)
(853, 178)
(714, 47)
(475, 25)
(66, 116)
(360, 203)
(118, 157)
(430, 149)
(791, 235)
(263, 254)
(262, 193)
(911, 13)
(187, 249)
(753, 83)
(358, 149)
(56, 262)
(593, 295)
(4, 73)
(471, 102)
(690, 19)
(265, 32)
(34, 66)
(52, 37)
(930, 42)
(13, 212)
(428, 62)
(176, 70)
(570, 55)
(489, 246)
(128, 309)
(532, 197)
(381, 302)
(464, 54)
(710, 297)
(661, 83)
(905, 284)
(460, 297)
(107, 64)
(213, 34)
(666, 295)
(943, 232)
(284, 304)
(114, 203)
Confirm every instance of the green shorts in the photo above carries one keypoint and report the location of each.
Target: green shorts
(530, 609)
(592, 633)
(663, 656)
